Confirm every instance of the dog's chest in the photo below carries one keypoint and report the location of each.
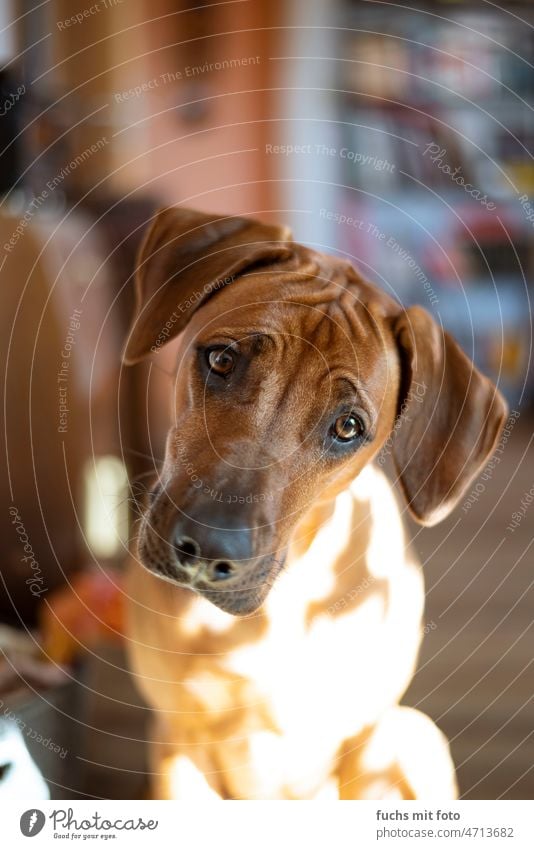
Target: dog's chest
(342, 629)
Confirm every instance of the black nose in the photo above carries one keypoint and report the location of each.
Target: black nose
(187, 549)
(222, 544)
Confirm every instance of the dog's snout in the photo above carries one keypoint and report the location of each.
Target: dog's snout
(189, 555)
(205, 545)
(222, 548)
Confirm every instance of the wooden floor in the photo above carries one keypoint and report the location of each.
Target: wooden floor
(476, 670)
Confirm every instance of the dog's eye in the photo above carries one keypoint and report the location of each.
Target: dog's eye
(221, 361)
(348, 427)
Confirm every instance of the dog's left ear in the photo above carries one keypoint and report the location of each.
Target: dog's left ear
(185, 258)
(450, 417)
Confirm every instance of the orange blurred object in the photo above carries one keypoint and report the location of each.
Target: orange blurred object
(88, 611)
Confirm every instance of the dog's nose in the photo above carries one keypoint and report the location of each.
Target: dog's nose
(220, 550)
(187, 549)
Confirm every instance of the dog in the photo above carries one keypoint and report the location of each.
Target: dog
(275, 607)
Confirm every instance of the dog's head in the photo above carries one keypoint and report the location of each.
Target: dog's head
(293, 373)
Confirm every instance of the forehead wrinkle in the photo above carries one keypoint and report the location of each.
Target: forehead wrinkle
(260, 341)
(354, 312)
(343, 329)
(342, 384)
(344, 317)
(316, 329)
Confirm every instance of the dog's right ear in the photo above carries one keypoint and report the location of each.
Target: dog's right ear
(185, 258)
(451, 417)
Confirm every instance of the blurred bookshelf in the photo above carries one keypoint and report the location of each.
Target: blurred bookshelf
(436, 141)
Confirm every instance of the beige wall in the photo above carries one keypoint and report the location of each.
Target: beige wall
(209, 155)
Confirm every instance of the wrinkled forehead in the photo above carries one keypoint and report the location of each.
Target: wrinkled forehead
(308, 324)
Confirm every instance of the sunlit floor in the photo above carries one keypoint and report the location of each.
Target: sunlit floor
(476, 670)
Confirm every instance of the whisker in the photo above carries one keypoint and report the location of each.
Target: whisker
(141, 454)
(137, 478)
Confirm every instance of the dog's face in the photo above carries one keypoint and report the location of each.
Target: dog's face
(273, 407)
(292, 374)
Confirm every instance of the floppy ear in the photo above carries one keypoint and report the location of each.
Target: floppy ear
(185, 257)
(449, 421)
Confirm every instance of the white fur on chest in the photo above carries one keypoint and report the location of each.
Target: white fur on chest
(326, 678)
(343, 664)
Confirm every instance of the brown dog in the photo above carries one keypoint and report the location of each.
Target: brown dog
(293, 373)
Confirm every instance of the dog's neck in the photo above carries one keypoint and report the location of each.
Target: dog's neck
(309, 525)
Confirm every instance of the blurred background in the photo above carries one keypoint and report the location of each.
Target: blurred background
(401, 138)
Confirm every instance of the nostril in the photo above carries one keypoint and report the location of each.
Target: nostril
(188, 550)
(222, 570)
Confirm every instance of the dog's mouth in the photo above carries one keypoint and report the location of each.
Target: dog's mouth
(238, 589)
(241, 600)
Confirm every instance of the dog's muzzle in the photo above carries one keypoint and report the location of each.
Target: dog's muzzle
(219, 561)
